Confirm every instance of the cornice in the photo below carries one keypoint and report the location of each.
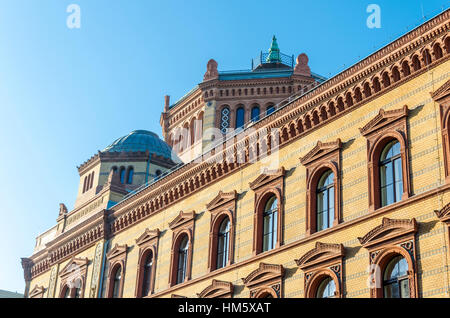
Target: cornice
(321, 149)
(322, 253)
(389, 229)
(444, 213)
(442, 92)
(263, 273)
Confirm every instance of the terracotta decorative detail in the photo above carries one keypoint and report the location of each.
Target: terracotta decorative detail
(221, 207)
(211, 71)
(217, 289)
(385, 127)
(73, 276)
(266, 185)
(265, 280)
(37, 292)
(117, 258)
(392, 238)
(322, 262)
(302, 68)
(148, 242)
(96, 269)
(52, 282)
(323, 157)
(182, 225)
(62, 209)
(442, 97)
(444, 214)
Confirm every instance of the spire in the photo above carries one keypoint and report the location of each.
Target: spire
(274, 52)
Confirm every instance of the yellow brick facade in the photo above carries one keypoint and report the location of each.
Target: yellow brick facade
(429, 193)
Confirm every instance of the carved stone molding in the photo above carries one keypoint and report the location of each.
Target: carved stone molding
(444, 214)
(267, 184)
(117, 258)
(266, 280)
(322, 262)
(221, 207)
(394, 237)
(385, 127)
(183, 224)
(323, 157)
(217, 289)
(148, 242)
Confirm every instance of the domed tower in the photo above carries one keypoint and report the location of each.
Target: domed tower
(227, 101)
(127, 163)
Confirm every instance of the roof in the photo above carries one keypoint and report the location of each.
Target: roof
(140, 140)
(8, 294)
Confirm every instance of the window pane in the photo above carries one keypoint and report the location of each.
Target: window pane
(391, 291)
(404, 288)
(398, 179)
(270, 110)
(240, 117)
(255, 113)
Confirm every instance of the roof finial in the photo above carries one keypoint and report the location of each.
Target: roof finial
(274, 52)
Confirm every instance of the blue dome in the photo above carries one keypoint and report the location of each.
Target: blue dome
(141, 140)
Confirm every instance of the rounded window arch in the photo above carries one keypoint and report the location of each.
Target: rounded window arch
(147, 270)
(391, 178)
(183, 251)
(65, 292)
(396, 278)
(223, 243)
(270, 224)
(240, 117)
(116, 278)
(326, 288)
(325, 200)
(255, 113)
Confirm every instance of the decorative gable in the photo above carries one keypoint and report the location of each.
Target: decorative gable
(181, 219)
(442, 92)
(221, 199)
(74, 265)
(321, 150)
(389, 229)
(267, 177)
(383, 119)
(265, 272)
(147, 236)
(117, 251)
(217, 289)
(37, 292)
(322, 253)
(444, 214)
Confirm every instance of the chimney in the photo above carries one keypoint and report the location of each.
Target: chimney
(166, 103)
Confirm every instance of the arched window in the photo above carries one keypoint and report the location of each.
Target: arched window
(77, 289)
(270, 109)
(395, 278)
(84, 184)
(255, 113)
(92, 180)
(122, 175)
(130, 175)
(240, 117)
(270, 225)
(147, 277)
(66, 292)
(223, 243)
(326, 289)
(116, 282)
(182, 260)
(391, 180)
(325, 201)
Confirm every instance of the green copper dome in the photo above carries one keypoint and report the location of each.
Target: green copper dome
(274, 52)
(140, 140)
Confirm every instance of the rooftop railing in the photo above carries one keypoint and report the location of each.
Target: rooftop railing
(287, 60)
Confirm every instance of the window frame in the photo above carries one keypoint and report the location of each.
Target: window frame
(267, 184)
(381, 130)
(323, 157)
(148, 242)
(116, 257)
(75, 266)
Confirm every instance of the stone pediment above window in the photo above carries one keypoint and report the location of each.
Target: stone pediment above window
(181, 219)
(74, 265)
(265, 272)
(389, 229)
(267, 177)
(320, 150)
(444, 214)
(383, 119)
(217, 289)
(442, 92)
(147, 236)
(37, 292)
(322, 253)
(221, 199)
(116, 251)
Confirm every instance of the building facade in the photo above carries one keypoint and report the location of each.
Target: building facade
(291, 185)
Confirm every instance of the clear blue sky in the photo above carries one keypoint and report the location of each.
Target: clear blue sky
(66, 93)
